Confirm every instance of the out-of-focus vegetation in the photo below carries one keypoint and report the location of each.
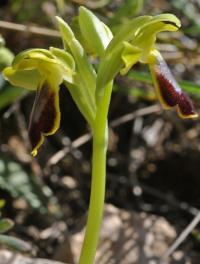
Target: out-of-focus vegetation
(10, 241)
(24, 184)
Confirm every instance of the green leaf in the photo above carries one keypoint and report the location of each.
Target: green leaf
(15, 243)
(95, 33)
(5, 225)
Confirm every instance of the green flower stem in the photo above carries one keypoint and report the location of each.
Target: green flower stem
(100, 136)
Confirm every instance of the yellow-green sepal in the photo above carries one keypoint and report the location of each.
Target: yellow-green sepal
(64, 57)
(95, 33)
(146, 37)
(28, 79)
(43, 54)
(108, 69)
(127, 32)
(66, 60)
(120, 59)
(112, 62)
(77, 32)
(32, 66)
(78, 94)
(84, 70)
(130, 55)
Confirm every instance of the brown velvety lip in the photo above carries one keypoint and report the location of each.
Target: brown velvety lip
(43, 117)
(169, 91)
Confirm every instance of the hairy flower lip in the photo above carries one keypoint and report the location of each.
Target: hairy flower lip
(45, 115)
(186, 107)
(169, 92)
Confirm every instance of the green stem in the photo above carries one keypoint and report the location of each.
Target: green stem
(100, 135)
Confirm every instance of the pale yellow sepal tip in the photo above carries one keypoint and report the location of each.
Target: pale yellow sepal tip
(34, 152)
(195, 115)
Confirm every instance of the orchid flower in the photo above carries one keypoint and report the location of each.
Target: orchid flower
(40, 70)
(91, 86)
(168, 91)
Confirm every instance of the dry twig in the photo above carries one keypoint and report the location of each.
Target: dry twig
(29, 29)
(86, 137)
(181, 238)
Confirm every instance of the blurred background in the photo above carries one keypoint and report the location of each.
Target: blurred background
(153, 162)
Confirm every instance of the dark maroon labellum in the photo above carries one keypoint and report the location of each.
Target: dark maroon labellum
(185, 105)
(44, 116)
(169, 91)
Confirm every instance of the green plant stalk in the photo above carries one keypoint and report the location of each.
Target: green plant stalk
(100, 139)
